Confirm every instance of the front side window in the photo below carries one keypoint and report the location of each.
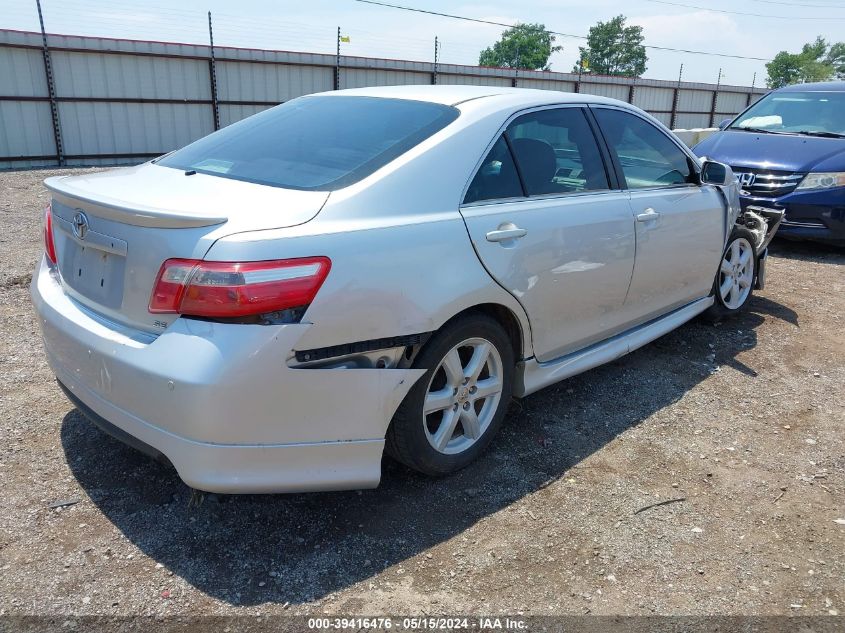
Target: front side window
(556, 152)
(809, 113)
(318, 143)
(647, 156)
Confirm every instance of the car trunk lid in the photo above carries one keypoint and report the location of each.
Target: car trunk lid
(113, 230)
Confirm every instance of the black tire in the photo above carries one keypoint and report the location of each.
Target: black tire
(407, 438)
(723, 308)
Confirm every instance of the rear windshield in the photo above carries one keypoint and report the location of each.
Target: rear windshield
(314, 143)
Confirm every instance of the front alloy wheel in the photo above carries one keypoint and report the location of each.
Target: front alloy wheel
(736, 274)
(452, 413)
(735, 278)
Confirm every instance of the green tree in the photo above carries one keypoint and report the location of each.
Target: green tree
(836, 56)
(613, 49)
(817, 61)
(521, 46)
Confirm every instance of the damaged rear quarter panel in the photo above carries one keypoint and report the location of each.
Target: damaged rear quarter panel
(390, 277)
(269, 402)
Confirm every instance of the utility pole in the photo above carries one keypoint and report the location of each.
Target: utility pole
(674, 117)
(436, 60)
(212, 72)
(337, 63)
(751, 93)
(51, 89)
(715, 100)
(580, 70)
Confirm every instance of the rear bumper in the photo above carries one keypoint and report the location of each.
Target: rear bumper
(234, 469)
(219, 400)
(818, 216)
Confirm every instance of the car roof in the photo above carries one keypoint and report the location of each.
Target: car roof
(454, 95)
(823, 86)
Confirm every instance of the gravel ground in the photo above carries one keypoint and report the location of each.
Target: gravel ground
(743, 421)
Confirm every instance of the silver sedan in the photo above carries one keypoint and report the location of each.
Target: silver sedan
(275, 305)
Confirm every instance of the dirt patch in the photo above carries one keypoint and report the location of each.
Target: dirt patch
(742, 420)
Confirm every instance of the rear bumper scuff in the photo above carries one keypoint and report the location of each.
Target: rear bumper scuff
(220, 402)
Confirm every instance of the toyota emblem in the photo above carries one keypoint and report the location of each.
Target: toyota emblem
(80, 225)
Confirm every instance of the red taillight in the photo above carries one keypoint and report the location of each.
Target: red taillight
(49, 244)
(237, 289)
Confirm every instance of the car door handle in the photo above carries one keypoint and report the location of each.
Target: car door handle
(506, 232)
(648, 215)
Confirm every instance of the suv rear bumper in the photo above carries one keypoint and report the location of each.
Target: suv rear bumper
(220, 402)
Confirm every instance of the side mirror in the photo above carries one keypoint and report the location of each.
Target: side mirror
(725, 124)
(713, 173)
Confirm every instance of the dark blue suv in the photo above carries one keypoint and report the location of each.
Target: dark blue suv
(788, 152)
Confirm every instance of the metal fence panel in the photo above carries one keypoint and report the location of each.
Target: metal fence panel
(131, 128)
(613, 91)
(22, 73)
(245, 81)
(730, 103)
(694, 100)
(472, 80)
(687, 121)
(547, 84)
(130, 77)
(25, 130)
(109, 45)
(233, 113)
(654, 99)
(362, 77)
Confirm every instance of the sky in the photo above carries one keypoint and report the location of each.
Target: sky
(705, 25)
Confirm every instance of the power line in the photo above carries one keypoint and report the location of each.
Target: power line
(459, 17)
(753, 15)
(579, 37)
(229, 28)
(803, 6)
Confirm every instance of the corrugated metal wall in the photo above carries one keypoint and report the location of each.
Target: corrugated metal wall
(123, 101)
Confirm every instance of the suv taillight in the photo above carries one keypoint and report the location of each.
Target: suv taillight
(237, 289)
(49, 244)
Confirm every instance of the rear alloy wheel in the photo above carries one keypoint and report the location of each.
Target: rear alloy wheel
(452, 413)
(735, 279)
(463, 396)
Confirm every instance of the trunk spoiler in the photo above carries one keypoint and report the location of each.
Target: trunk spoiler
(126, 213)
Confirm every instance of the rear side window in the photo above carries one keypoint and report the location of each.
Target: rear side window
(647, 156)
(557, 152)
(496, 178)
(315, 143)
